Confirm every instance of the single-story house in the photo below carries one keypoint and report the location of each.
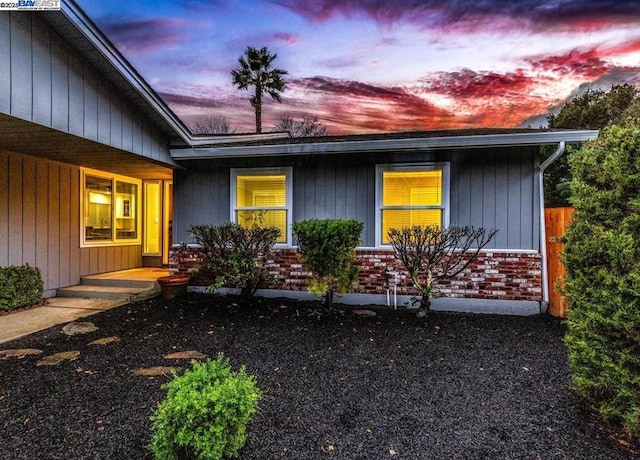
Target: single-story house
(97, 174)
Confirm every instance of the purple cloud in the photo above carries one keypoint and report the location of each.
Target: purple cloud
(574, 14)
(142, 36)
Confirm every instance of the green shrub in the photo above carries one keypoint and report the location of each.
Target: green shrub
(206, 412)
(327, 248)
(602, 285)
(20, 286)
(234, 255)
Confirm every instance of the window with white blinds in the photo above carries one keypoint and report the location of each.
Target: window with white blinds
(262, 197)
(411, 195)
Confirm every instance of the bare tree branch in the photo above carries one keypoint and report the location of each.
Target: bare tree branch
(429, 253)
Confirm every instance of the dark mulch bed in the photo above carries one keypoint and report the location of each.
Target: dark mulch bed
(349, 387)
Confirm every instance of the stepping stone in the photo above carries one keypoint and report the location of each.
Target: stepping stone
(79, 327)
(105, 341)
(190, 354)
(56, 359)
(157, 370)
(19, 353)
(364, 313)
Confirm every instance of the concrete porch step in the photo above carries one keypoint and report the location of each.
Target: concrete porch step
(121, 283)
(108, 292)
(131, 279)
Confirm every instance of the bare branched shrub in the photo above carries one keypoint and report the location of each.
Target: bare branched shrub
(430, 253)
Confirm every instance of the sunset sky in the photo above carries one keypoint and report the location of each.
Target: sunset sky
(365, 66)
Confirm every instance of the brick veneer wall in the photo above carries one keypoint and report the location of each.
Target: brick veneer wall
(494, 275)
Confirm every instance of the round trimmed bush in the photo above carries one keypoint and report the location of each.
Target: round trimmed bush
(206, 412)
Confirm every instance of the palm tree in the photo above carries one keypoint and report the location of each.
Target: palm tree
(255, 70)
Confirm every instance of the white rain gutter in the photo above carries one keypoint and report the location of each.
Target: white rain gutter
(543, 230)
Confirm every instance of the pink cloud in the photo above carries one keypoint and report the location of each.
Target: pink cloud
(586, 64)
(287, 39)
(467, 83)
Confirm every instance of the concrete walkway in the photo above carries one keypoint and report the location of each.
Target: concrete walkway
(59, 310)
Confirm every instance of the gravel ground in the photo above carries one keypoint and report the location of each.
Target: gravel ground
(347, 387)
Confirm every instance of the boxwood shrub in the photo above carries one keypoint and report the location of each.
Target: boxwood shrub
(20, 286)
(206, 412)
(327, 247)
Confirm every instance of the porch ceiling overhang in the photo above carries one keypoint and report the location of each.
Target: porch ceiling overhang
(28, 138)
(394, 144)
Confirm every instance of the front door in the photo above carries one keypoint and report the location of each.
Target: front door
(157, 220)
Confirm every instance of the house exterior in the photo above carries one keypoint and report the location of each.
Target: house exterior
(84, 147)
(483, 178)
(97, 174)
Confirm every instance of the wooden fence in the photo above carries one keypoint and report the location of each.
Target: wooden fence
(557, 220)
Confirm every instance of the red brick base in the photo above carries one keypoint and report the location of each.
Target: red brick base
(494, 275)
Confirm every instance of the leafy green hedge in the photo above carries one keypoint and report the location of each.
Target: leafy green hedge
(20, 286)
(602, 257)
(327, 247)
(206, 412)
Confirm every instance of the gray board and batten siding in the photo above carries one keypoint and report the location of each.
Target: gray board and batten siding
(59, 111)
(39, 223)
(489, 187)
(50, 85)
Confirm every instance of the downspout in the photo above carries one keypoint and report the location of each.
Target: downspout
(543, 230)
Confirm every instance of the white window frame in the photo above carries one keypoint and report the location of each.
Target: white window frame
(288, 208)
(84, 243)
(445, 201)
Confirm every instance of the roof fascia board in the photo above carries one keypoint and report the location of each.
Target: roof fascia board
(424, 143)
(222, 139)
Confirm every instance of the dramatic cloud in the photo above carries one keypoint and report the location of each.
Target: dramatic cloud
(354, 106)
(572, 14)
(471, 84)
(586, 64)
(381, 65)
(147, 35)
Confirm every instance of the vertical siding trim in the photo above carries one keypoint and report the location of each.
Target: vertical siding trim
(76, 96)
(75, 256)
(65, 210)
(29, 186)
(4, 209)
(42, 218)
(90, 102)
(59, 86)
(15, 210)
(41, 74)
(53, 244)
(21, 66)
(5, 58)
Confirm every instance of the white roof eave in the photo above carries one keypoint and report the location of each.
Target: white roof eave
(380, 145)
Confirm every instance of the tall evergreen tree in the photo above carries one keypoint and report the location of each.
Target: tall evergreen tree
(602, 284)
(593, 109)
(255, 69)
